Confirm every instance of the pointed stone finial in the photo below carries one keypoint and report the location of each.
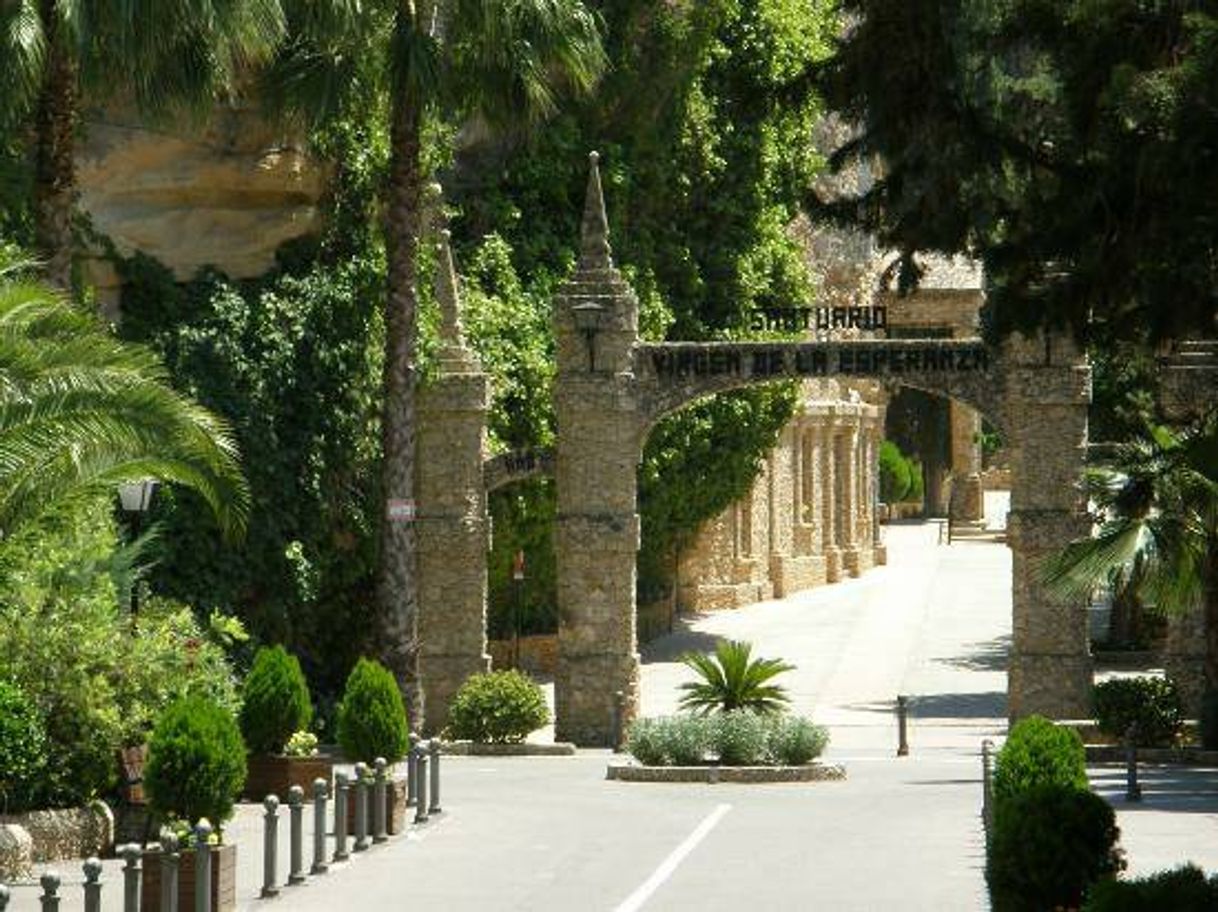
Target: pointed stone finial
(595, 252)
(447, 294)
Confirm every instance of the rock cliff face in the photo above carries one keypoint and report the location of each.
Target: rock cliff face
(225, 193)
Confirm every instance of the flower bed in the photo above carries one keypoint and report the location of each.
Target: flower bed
(739, 738)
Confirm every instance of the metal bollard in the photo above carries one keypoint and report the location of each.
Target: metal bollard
(50, 891)
(342, 789)
(987, 784)
(420, 810)
(169, 872)
(270, 847)
(92, 869)
(1133, 791)
(902, 726)
(132, 875)
(617, 719)
(378, 801)
(412, 772)
(361, 807)
(4, 897)
(433, 751)
(320, 789)
(203, 865)
(296, 875)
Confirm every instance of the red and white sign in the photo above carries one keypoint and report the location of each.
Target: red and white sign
(518, 566)
(400, 510)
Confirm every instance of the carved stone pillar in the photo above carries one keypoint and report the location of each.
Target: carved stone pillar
(827, 490)
(967, 503)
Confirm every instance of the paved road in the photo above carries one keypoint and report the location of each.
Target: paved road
(552, 834)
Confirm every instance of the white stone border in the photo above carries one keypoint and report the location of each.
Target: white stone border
(811, 772)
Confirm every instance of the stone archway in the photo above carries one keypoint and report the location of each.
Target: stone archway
(612, 388)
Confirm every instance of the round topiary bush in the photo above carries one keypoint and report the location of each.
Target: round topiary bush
(275, 701)
(372, 717)
(1048, 844)
(501, 707)
(1182, 889)
(1151, 704)
(23, 750)
(1037, 752)
(196, 762)
(794, 740)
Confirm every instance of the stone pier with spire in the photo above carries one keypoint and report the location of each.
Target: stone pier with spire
(595, 329)
(453, 525)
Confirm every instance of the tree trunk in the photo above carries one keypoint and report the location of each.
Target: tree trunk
(55, 170)
(1210, 608)
(397, 581)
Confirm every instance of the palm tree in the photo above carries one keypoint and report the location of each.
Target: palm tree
(501, 62)
(732, 680)
(157, 54)
(1158, 510)
(81, 411)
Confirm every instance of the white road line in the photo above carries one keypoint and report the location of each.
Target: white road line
(635, 900)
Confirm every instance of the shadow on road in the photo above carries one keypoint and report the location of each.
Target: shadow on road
(990, 655)
(683, 639)
(1164, 788)
(989, 705)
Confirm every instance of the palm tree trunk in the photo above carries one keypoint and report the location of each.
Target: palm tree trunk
(1211, 617)
(55, 171)
(397, 581)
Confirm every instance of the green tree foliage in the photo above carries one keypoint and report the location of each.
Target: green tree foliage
(275, 701)
(293, 362)
(196, 762)
(732, 679)
(372, 718)
(1152, 704)
(81, 411)
(1182, 889)
(1066, 145)
(1158, 499)
(895, 481)
(500, 707)
(24, 752)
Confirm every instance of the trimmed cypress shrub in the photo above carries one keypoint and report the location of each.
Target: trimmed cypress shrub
(1182, 889)
(23, 750)
(1049, 843)
(499, 707)
(1037, 752)
(372, 717)
(275, 701)
(1152, 704)
(196, 762)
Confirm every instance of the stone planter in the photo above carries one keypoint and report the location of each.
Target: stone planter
(223, 880)
(395, 808)
(275, 774)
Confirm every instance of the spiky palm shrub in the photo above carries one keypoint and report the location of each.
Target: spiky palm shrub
(81, 411)
(732, 679)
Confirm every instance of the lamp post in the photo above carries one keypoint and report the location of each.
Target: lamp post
(135, 498)
(589, 319)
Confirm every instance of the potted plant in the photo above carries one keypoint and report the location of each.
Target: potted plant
(196, 769)
(372, 723)
(275, 713)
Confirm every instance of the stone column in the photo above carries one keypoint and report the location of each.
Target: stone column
(827, 491)
(846, 445)
(1184, 658)
(1048, 388)
(967, 503)
(453, 525)
(597, 539)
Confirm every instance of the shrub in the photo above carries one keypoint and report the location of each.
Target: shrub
(372, 718)
(196, 762)
(732, 680)
(1037, 752)
(894, 473)
(741, 738)
(794, 741)
(1048, 844)
(500, 707)
(301, 744)
(1209, 720)
(647, 741)
(1152, 704)
(683, 740)
(1182, 889)
(275, 701)
(23, 751)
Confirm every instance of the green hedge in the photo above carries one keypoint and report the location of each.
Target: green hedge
(500, 707)
(23, 750)
(1182, 889)
(1037, 752)
(1152, 704)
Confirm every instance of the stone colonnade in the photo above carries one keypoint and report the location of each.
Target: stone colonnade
(809, 518)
